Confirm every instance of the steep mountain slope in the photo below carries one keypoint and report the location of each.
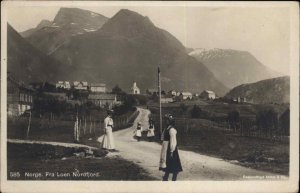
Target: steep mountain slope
(28, 64)
(233, 67)
(67, 23)
(29, 32)
(274, 90)
(129, 48)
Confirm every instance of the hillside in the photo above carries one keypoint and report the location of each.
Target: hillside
(129, 47)
(28, 64)
(233, 67)
(68, 22)
(275, 90)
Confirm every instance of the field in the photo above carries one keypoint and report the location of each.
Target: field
(213, 137)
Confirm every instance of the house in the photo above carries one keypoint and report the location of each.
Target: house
(166, 99)
(152, 91)
(80, 85)
(98, 87)
(185, 95)
(207, 94)
(103, 99)
(172, 92)
(61, 96)
(241, 100)
(135, 89)
(19, 97)
(63, 84)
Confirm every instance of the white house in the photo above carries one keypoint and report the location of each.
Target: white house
(135, 89)
(80, 85)
(98, 87)
(63, 84)
(207, 94)
(186, 95)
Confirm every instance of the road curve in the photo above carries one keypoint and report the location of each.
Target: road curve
(195, 166)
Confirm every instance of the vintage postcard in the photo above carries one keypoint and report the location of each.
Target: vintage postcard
(111, 96)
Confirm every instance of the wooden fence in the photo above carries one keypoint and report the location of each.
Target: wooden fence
(245, 127)
(28, 127)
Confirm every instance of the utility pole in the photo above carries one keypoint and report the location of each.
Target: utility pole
(159, 94)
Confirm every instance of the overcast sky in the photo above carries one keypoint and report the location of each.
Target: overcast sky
(265, 32)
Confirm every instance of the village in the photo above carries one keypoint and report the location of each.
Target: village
(21, 97)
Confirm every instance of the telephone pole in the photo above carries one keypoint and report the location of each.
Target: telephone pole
(159, 94)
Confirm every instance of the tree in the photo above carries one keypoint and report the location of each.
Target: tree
(284, 121)
(267, 120)
(233, 118)
(196, 111)
(117, 90)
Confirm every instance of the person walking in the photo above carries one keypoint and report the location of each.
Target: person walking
(138, 132)
(108, 139)
(169, 158)
(150, 131)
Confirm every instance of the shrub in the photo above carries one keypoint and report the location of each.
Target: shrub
(196, 112)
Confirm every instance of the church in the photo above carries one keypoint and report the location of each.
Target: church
(135, 89)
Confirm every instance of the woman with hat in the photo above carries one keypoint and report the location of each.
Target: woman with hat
(169, 158)
(108, 139)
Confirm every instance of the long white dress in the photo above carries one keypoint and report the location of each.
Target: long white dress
(108, 139)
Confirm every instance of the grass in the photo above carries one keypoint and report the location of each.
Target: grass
(24, 159)
(199, 135)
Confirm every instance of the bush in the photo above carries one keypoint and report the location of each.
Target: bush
(233, 118)
(267, 119)
(196, 112)
(284, 121)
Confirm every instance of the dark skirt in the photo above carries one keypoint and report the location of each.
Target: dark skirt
(173, 163)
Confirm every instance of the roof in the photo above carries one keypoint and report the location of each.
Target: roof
(186, 93)
(102, 96)
(98, 84)
(209, 91)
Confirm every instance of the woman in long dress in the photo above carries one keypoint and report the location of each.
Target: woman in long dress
(108, 139)
(150, 132)
(138, 132)
(169, 158)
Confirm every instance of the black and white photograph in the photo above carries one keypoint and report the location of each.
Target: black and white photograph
(96, 92)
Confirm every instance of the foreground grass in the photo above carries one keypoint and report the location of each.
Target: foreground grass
(44, 162)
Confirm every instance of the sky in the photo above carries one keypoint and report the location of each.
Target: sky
(263, 31)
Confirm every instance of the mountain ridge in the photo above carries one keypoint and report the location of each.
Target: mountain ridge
(273, 90)
(237, 66)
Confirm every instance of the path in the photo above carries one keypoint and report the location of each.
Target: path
(195, 166)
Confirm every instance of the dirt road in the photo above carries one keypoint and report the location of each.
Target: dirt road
(195, 166)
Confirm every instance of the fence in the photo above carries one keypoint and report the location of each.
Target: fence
(245, 127)
(51, 128)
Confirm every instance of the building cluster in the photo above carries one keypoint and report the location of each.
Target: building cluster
(20, 97)
(173, 95)
(81, 85)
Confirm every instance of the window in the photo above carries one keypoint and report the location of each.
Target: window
(21, 97)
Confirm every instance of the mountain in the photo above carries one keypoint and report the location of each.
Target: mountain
(274, 90)
(128, 48)
(29, 32)
(28, 64)
(233, 67)
(67, 23)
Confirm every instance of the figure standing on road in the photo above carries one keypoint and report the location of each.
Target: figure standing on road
(108, 139)
(150, 131)
(169, 158)
(138, 132)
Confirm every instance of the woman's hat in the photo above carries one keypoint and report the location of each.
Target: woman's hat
(169, 116)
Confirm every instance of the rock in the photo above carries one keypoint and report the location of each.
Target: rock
(80, 154)
(99, 153)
